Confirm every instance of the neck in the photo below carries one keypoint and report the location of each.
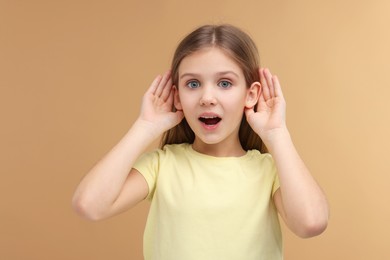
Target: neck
(233, 149)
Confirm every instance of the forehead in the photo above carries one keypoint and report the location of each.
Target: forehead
(210, 60)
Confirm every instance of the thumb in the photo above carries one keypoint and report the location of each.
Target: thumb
(177, 116)
(249, 112)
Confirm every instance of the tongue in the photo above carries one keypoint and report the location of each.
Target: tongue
(211, 121)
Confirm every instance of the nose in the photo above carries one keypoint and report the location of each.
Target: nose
(208, 97)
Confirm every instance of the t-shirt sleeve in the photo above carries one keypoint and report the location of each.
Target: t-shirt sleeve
(276, 183)
(148, 165)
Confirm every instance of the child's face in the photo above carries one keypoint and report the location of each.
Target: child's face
(212, 94)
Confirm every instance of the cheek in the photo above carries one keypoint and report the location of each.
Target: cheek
(236, 106)
(187, 101)
(235, 100)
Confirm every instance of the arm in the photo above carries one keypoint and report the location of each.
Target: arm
(299, 200)
(112, 186)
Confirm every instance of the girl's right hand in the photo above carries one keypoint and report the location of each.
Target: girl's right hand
(157, 103)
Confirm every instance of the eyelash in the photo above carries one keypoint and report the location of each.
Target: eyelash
(192, 81)
(225, 81)
(188, 84)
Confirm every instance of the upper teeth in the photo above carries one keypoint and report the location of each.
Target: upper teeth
(209, 117)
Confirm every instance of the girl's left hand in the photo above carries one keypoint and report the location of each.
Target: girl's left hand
(270, 115)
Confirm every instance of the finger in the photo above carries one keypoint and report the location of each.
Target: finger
(263, 81)
(167, 90)
(270, 84)
(170, 97)
(261, 98)
(278, 88)
(154, 85)
(249, 112)
(162, 83)
(179, 116)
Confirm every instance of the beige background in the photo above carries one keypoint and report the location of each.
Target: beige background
(72, 74)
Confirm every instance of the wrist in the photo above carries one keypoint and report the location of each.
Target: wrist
(147, 129)
(276, 138)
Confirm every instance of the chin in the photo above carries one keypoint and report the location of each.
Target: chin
(210, 140)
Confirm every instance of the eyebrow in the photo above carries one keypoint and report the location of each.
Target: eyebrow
(222, 73)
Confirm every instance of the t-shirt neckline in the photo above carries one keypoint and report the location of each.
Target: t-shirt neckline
(193, 152)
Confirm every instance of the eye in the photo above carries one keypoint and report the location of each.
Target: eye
(224, 84)
(193, 84)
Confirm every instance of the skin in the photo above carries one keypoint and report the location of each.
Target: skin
(217, 88)
(112, 186)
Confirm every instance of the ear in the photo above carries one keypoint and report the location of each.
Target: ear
(176, 99)
(253, 94)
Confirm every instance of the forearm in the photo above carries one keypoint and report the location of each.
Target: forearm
(101, 186)
(304, 203)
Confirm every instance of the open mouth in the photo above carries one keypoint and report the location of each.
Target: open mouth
(210, 120)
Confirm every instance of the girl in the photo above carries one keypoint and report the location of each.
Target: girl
(227, 165)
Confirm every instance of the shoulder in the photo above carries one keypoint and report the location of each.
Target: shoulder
(260, 160)
(175, 148)
(166, 152)
(260, 157)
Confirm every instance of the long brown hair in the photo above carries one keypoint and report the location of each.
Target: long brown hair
(237, 45)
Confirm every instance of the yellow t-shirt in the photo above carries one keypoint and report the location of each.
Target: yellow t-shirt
(210, 208)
